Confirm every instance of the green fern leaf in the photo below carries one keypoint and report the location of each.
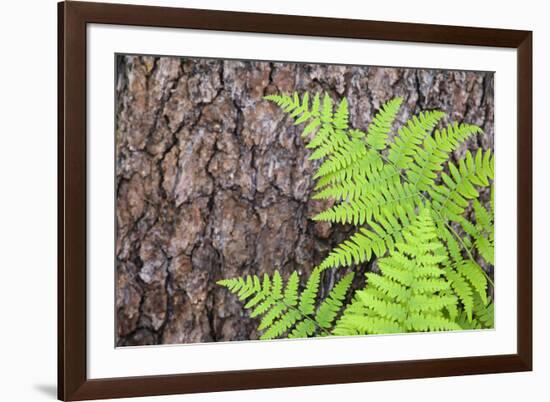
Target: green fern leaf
(484, 238)
(411, 136)
(428, 160)
(304, 329)
(484, 316)
(474, 274)
(382, 123)
(463, 290)
(333, 303)
(373, 241)
(410, 294)
(289, 312)
(291, 291)
(307, 299)
(382, 195)
(451, 199)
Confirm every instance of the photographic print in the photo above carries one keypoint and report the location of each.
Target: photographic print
(261, 200)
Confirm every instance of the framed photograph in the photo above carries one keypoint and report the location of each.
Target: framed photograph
(252, 200)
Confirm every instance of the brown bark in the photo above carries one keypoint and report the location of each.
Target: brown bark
(213, 182)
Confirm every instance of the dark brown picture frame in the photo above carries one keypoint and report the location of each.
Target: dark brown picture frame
(73, 383)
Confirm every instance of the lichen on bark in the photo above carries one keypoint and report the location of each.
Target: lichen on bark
(214, 182)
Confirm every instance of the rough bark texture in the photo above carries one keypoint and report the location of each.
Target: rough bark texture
(213, 182)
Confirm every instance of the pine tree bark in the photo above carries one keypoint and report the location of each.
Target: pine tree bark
(213, 182)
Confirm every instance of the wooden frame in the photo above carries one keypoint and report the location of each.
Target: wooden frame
(73, 383)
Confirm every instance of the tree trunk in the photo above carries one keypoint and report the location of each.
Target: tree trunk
(213, 182)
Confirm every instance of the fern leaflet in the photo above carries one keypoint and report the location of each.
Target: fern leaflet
(285, 310)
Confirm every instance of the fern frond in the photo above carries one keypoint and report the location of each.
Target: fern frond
(362, 208)
(467, 278)
(300, 110)
(339, 147)
(291, 290)
(358, 182)
(411, 136)
(365, 168)
(383, 195)
(474, 274)
(452, 198)
(484, 316)
(463, 290)
(484, 313)
(333, 303)
(427, 161)
(410, 294)
(376, 239)
(341, 115)
(375, 194)
(308, 296)
(285, 310)
(304, 329)
(380, 126)
(485, 236)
